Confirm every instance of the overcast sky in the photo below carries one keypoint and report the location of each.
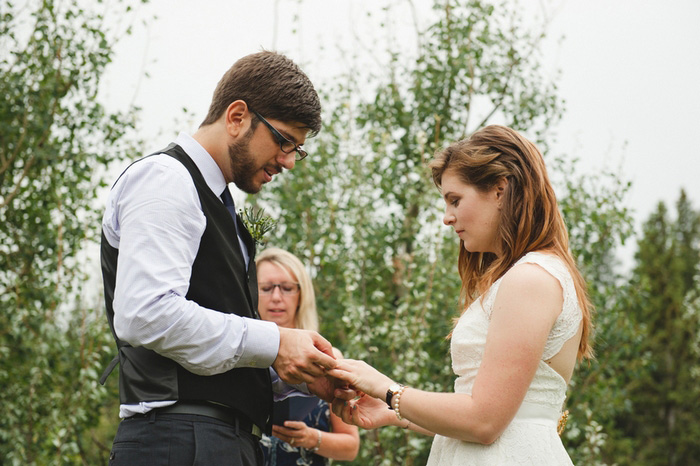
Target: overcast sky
(629, 73)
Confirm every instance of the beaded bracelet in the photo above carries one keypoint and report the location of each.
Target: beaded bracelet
(397, 400)
(318, 444)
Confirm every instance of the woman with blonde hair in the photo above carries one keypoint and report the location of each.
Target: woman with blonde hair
(525, 319)
(286, 297)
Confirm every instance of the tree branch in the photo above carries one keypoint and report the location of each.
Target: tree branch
(7, 199)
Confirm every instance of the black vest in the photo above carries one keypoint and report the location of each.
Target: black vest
(219, 281)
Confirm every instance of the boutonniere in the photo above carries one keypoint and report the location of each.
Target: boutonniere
(257, 223)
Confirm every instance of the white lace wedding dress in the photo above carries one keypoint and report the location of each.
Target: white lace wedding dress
(531, 438)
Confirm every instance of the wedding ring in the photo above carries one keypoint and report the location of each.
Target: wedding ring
(291, 442)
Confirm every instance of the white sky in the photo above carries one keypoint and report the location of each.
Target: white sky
(630, 73)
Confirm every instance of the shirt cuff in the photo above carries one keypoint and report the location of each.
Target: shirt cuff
(261, 344)
(282, 390)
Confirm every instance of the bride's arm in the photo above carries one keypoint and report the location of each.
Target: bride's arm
(528, 302)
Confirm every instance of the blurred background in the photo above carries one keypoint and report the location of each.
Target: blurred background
(608, 90)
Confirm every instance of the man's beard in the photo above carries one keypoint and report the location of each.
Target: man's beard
(243, 165)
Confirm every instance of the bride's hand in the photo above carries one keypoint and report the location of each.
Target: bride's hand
(366, 412)
(362, 377)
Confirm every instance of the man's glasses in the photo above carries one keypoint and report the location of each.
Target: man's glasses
(286, 145)
(286, 288)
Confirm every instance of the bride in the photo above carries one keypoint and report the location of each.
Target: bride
(526, 318)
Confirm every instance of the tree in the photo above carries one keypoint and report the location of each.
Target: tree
(362, 211)
(663, 400)
(598, 223)
(56, 141)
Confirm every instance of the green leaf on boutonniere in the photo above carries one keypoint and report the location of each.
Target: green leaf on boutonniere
(257, 223)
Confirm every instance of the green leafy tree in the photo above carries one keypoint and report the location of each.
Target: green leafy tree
(661, 426)
(362, 211)
(56, 141)
(598, 223)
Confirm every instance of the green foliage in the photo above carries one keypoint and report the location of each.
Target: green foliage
(598, 223)
(635, 404)
(55, 143)
(661, 425)
(361, 211)
(257, 223)
(363, 215)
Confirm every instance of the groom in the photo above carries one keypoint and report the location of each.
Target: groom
(180, 282)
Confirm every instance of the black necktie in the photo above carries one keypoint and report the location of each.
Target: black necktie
(228, 202)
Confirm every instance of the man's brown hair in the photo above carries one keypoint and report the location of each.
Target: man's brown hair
(272, 85)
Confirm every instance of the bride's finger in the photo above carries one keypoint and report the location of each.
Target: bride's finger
(345, 394)
(348, 413)
(344, 411)
(356, 419)
(341, 374)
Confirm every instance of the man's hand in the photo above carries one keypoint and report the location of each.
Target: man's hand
(303, 356)
(326, 387)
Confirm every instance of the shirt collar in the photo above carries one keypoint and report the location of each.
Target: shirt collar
(204, 161)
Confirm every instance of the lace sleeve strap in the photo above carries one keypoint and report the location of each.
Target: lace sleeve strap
(567, 324)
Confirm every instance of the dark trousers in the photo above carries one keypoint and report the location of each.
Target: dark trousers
(157, 439)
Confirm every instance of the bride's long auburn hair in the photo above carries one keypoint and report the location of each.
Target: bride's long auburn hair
(530, 217)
